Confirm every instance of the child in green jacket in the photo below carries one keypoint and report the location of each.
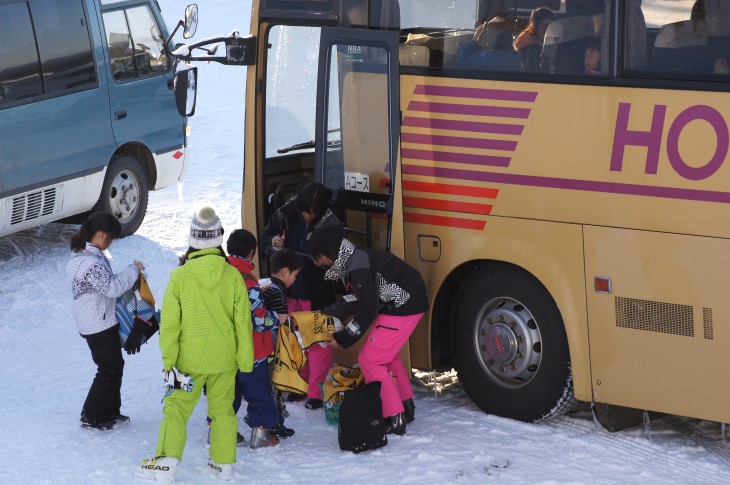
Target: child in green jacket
(205, 334)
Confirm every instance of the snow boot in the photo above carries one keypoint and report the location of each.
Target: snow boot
(221, 471)
(313, 403)
(396, 424)
(161, 469)
(410, 410)
(282, 431)
(121, 419)
(261, 437)
(104, 425)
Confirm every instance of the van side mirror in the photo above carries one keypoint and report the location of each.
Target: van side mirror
(186, 89)
(191, 20)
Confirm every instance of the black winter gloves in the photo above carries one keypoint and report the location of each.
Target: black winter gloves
(142, 331)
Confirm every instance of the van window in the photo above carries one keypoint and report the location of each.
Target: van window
(135, 43)
(20, 76)
(63, 41)
(61, 37)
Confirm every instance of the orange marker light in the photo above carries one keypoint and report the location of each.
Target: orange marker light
(602, 284)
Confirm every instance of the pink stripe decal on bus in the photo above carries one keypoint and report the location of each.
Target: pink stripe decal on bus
(453, 157)
(448, 189)
(458, 141)
(447, 205)
(476, 93)
(469, 109)
(474, 126)
(570, 184)
(444, 221)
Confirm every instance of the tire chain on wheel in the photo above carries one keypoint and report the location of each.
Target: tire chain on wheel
(566, 402)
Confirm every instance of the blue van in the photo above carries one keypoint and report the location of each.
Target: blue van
(89, 118)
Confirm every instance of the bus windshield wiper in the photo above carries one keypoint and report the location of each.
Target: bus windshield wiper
(310, 144)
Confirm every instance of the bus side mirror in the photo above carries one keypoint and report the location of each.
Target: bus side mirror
(240, 51)
(186, 89)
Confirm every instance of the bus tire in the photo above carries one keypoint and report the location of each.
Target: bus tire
(125, 192)
(510, 348)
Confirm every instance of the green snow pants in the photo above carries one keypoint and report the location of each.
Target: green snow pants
(180, 405)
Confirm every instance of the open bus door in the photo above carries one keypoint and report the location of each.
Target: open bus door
(356, 138)
(357, 129)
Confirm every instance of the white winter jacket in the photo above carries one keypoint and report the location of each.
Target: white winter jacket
(96, 289)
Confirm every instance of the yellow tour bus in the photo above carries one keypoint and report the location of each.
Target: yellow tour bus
(555, 169)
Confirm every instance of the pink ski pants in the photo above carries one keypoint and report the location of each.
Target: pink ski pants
(380, 360)
(319, 360)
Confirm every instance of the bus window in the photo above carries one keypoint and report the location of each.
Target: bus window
(566, 38)
(63, 41)
(19, 74)
(357, 158)
(291, 98)
(688, 39)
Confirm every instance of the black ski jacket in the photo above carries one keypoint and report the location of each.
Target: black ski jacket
(380, 282)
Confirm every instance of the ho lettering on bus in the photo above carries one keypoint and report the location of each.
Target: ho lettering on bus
(652, 140)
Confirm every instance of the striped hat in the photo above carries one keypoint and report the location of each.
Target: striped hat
(206, 230)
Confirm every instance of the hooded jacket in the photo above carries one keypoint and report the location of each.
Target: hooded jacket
(206, 317)
(96, 288)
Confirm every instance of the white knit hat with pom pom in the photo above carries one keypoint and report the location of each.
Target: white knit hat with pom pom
(206, 230)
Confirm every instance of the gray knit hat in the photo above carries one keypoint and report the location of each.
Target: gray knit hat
(206, 230)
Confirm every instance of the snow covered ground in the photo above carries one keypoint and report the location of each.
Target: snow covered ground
(46, 369)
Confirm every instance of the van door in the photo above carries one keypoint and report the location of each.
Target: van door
(357, 131)
(142, 105)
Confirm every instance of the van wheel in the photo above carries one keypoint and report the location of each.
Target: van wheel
(124, 193)
(510, 348)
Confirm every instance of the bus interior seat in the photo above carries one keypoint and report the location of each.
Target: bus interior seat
(636, 37)
(452, 43)
(681, 47)
(414, 55)
(717, 17)
(565, 44)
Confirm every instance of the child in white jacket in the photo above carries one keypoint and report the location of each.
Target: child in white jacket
(95, 289)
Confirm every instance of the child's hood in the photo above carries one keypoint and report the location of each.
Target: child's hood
(207, 268)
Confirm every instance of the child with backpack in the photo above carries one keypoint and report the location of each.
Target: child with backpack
(255, 386)
(387, 295)
(205, 338)
(95, 289)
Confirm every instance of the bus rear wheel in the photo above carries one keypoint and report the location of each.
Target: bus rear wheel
(125, 192)
(511, 352)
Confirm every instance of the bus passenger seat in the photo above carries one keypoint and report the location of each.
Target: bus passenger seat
(452, 43)
(635, 54)
(681, 47)
(717, 16)
(565, 45)
(414, 55)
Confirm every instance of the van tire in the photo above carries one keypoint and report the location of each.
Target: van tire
(510, 348)
(125, 192)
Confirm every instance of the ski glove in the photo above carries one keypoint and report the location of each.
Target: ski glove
(175, 379)
(141, 331)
